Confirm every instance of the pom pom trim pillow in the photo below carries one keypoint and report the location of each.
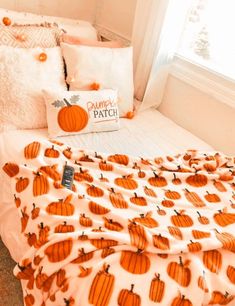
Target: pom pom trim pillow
(78, 112)
(106, 67)
(23, 75)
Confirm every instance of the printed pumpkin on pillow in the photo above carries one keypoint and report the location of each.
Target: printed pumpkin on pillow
(75, 112)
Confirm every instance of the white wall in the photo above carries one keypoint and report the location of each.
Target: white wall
(116, 15)
(78, 9)
(201, 114)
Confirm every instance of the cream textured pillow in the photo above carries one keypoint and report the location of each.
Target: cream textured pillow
(107, 67)
(22, 78)
(29, 36)
(76, 112)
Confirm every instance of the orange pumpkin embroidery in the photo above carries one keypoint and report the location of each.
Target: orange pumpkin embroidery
(72, 118)
(197, 180)
(137, 200)
(117, 199)
(94, 191)
(181, 219)
(157, 180)
(82, 257)
(51, 152)
(97, 209)
(181, 301)
(137, 235)
(146, 220)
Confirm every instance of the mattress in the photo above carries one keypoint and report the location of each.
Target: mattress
(149, 134)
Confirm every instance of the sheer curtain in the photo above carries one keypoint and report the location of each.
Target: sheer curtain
(157, 28)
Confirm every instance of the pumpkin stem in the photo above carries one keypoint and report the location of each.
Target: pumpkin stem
(65, 222)
(178, 214)
(15, 196)
(41, 225)
(80, 169)
(67, 102)
(135, 194)
(34, 205)
(174, 175)
(226, 294)
(107, 268)
(139, 251)
(21, 267)
(208, 192)
(142, 215)
(199, 214)
(181, 262)
(132, 287)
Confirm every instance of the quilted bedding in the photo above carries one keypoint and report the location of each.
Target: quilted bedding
(132, 231)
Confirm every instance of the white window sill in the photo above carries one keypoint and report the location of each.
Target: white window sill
(204, 79)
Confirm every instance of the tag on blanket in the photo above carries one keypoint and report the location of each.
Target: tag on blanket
(67, 179)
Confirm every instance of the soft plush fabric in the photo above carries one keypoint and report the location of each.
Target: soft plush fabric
(107, 67)
(71, 26)
(22, 78)
(76, 112)
(76, 40)
(30, 36)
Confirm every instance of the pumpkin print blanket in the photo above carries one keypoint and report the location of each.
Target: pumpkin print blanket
(130, 232)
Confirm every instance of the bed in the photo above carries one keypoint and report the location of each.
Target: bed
(146, 201)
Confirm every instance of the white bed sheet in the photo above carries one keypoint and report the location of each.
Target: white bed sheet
(149, 134)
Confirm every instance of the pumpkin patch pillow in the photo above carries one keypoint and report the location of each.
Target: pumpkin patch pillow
(74, 112)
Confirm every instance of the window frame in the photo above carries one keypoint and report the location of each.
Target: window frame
(205, 79)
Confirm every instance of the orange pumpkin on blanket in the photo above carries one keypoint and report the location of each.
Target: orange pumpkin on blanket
(82, 257)
(94, 191)
(138, 200)
(35, 212)
(83, 175)
(203, 219)
(40, 184)
(41, 278)
(17, 201)
(119, 159)
(97, 209)
(85, 221)
(104, 166)
(181, 301)
(51, 171)
(100, 294)
(117, 199)
(128, 297)
(84, 272)
(157, 289)
(219, 186)
(137, 235)
(194, 198)
(212, 260)
(24, 219)
(67, 153)
(126, 182)
(29, 300)
(223, 218)
(21, 184)
(157, 180)
(106, 252)
(52, 152)
(59, 250)
(103, 243)
(135, 262)
(202, 282)
(146, 220)
(11, 169)
(181, 219)
(31, 151)
(231, 274)
(197, 180)
(161, 242)
(175, 232)
(220, 298)
(180, 272)
(61, 208)
(149, 192)
(112, 225)
(64, 228)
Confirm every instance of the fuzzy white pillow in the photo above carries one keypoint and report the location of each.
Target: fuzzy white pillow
(22, 78)
(78, 112)
(106, 67)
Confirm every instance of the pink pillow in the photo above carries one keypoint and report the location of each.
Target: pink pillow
(76, 40)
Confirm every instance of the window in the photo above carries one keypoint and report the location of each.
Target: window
(208, 37)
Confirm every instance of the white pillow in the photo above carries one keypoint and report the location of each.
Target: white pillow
(77, 112)
(22, 78)
(79, 28)
(108, 67)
